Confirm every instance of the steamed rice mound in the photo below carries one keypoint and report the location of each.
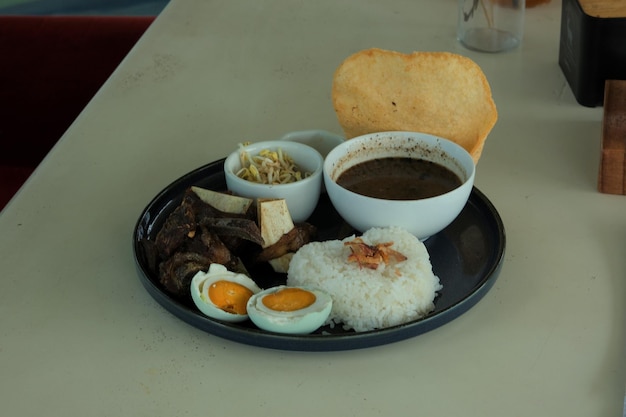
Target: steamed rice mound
(366, 299)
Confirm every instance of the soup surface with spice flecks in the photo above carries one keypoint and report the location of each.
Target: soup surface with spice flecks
(399, 178)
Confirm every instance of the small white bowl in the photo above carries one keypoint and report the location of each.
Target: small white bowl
(301, 196)
(424, 217)
(322, 140)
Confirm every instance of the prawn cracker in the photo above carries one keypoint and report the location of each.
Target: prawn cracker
(438, 93)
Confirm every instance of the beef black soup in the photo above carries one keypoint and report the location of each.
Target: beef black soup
(399, 178)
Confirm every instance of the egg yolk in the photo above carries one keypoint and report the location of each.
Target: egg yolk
(289, 299)
(230, 296)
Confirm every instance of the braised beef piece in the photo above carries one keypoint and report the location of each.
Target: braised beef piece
(245, 229)
(291, 241)
(216, 250)
(196, 254)
(192, 212)
(179, 226)
(176, 272)
(235, 230)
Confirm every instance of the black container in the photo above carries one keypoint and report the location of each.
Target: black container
(592, 49)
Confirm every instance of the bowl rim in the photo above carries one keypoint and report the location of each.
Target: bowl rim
(272, 144)
(470, 176)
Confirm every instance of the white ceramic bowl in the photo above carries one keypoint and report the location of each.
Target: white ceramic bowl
(423, 218)
(301, 196)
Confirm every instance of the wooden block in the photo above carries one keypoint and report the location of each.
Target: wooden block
(604, 8)
(612, 175)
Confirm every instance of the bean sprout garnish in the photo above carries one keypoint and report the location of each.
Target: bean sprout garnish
(269, 167)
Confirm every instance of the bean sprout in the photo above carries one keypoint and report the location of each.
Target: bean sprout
(269, 167)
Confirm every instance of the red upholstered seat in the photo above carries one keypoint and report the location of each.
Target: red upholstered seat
(51, 67)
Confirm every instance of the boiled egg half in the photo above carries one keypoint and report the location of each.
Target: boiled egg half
(222, 294)
(291, 310)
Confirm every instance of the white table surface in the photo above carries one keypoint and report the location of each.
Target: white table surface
(79, 335)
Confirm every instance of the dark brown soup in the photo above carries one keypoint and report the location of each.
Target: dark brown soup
(399, 179)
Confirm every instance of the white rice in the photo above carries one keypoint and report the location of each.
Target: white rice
(366, 299)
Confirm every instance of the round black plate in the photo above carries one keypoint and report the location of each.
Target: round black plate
(467, 256)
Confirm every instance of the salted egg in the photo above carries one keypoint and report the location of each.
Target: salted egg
(222, 294)
(291, 310)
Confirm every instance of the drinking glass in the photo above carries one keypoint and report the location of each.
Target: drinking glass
(491, 25)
